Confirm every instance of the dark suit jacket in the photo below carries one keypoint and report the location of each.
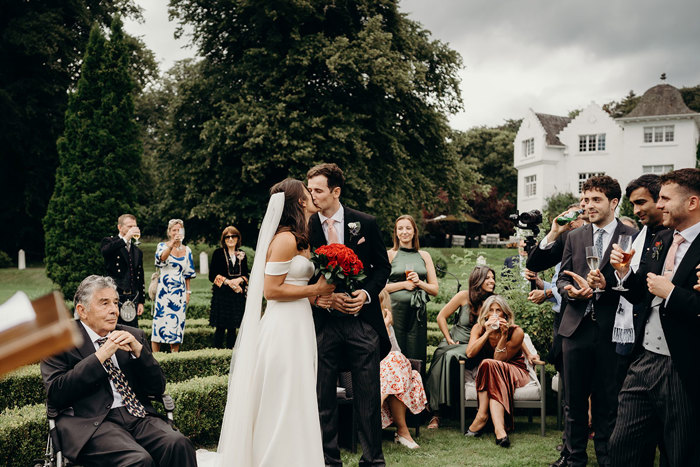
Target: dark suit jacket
(369, 247)
(680, 318)
(574, 259)
(541, 260)
(117, 265)
(78, 386)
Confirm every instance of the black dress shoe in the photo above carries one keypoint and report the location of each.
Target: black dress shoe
(561, 462)
(503, 442)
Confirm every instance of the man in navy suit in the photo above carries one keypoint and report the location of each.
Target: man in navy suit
(101, 390)
(349, 328)
(659, 397)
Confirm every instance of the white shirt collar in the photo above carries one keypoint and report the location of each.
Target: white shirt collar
(337, 217)
(92, 334)
(609, 229)
(690, 233)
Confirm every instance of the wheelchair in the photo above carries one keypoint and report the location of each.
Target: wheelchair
(53, 457)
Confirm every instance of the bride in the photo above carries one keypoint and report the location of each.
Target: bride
(271, 415)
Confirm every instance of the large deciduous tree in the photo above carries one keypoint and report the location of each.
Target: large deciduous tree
(41, 46)
(99, 149)
(288, 84)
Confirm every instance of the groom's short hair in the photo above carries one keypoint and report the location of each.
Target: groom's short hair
(332, 172)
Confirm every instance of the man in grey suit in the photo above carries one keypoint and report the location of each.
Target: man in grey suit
(588, 353)
(101, 390)
(660, 394)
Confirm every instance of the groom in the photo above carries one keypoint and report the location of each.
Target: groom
(351, 336)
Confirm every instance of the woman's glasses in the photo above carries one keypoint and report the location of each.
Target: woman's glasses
(230, 236)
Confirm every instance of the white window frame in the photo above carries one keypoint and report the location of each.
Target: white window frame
(659, 134)
(584, 176)
(657, 169)
(530, 186)
(528, 147)
(592, 143)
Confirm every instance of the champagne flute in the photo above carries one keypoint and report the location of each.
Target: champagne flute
(137, 237)
(593, 261)
(625, 244)
(182, 234)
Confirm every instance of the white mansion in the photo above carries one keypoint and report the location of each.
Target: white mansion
(555, 154)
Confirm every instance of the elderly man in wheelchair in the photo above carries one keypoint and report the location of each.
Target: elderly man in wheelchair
(100, 392)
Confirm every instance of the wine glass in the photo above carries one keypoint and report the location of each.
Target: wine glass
(625, 244)
(182, 234)
(593, 261)
(137, 237)
(496, 325)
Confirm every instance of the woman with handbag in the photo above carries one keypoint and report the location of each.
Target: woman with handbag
(229, 275)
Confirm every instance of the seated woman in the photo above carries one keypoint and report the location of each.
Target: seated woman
(401, 386)
(498, 343)
(443, 369)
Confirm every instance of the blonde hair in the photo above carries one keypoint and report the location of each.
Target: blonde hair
(486, 307)
(384, 301)
(172, 222)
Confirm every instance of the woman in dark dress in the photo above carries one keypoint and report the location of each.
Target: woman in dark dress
(229, 274)
(498, 343)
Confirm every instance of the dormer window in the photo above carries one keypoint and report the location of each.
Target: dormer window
(591, 143)
(528, 147)
(659, 134)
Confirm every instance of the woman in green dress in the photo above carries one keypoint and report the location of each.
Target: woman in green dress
(411, 282)
(441, 381)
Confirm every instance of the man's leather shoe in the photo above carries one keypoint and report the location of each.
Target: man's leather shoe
(561, 462)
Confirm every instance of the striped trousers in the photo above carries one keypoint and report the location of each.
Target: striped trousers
(655, 405)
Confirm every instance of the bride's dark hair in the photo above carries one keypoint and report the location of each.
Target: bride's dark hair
(293, 219)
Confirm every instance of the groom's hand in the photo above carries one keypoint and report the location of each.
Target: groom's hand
(355, 303)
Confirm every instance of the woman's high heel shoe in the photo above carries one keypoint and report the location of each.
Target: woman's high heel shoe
(474, 434)
(503, 442)
(405, 442)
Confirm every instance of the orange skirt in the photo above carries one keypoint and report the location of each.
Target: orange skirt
(500, 379)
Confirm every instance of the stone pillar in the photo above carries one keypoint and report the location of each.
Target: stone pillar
(203, 263)
(21, 260)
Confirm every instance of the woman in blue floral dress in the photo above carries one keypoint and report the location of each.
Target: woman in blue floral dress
(176, 269)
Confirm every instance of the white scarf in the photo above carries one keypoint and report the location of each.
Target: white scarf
(623, 332)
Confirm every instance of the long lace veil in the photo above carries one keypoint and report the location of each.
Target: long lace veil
(235, 441)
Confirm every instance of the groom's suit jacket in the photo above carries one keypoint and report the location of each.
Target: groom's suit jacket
(680, 317)
(77, 385)
(369, 247)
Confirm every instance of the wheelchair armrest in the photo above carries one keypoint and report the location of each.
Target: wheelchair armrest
(168, 404)
(416, 365)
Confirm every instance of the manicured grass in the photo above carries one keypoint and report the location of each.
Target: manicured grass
(32, 281)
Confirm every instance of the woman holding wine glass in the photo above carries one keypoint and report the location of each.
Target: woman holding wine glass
(173, 294)
(498, 343)
(411, 281)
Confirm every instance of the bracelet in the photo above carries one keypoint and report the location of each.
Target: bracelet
(189, 291)
(500, 350)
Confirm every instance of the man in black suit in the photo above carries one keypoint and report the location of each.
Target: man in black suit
(588, 353)
(352, 334)
(124, 264)
(101, 390)
(660, 394)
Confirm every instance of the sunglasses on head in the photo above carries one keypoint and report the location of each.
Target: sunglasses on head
(226, 237)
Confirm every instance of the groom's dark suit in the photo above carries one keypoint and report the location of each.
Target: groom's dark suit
(78, 387)
(355, 343)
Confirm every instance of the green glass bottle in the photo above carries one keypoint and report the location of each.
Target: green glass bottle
(569, 217)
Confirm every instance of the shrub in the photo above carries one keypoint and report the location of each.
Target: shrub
(5, 260)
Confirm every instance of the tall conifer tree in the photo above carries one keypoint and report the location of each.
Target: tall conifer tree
(99, 156)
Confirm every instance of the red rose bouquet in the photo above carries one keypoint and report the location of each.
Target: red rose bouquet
(339, 265)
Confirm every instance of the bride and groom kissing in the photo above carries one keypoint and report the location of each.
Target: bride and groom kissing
(281, 406)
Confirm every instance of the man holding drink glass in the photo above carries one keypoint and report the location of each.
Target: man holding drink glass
(124, 264)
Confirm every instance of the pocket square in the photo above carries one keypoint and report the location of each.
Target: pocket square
(361, 241)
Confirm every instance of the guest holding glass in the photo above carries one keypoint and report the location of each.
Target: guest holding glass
(229, 274)
(401, 386)
(173, 294)
(498, 343)
(411, 282)
(443, 369)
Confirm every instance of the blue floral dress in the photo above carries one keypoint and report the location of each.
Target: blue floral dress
(169, 308)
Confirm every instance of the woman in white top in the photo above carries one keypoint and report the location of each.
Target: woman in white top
(271, 416)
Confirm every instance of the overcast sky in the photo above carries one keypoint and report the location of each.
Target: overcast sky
(551, 55)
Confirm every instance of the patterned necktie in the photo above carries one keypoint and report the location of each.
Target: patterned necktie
(131, 403)
(599, 250)
(670, 262)
(330, 229)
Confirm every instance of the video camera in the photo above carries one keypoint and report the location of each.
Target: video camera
(529, 220)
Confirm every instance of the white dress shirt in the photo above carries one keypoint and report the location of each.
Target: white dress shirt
(94, 337)
(339, 218)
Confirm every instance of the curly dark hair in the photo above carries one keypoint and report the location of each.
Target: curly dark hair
(688, 179)
(606, 185)
(332, 172)
(648, 181)
(293, 219)
(476, 293)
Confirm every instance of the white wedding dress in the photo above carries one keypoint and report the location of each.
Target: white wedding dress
(271, 416)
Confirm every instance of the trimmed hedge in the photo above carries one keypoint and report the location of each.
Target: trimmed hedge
(199, 410)
(25, 387)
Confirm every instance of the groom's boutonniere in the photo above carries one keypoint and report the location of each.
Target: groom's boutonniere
(656, 250)
(354, 228)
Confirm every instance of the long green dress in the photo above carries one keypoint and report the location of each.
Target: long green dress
(442, 379)
(409, 306)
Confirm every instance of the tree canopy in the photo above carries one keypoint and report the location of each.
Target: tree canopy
(99, 149)
(285, 85)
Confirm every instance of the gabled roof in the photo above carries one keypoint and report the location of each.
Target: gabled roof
(552, 125)
(662, 99)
